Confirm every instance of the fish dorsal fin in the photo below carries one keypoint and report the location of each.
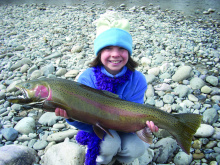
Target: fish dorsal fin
(100, 131)
(145, 135)
(110, 94)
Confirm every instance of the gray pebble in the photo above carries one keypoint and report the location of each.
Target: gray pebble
(9, 134)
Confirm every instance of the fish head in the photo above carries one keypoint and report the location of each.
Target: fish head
(34, 90)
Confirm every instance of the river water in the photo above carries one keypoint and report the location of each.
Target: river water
(189, 7)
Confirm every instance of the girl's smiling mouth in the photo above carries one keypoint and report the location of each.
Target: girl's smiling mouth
(115, 62)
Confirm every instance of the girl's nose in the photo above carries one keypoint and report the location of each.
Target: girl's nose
(115, 52)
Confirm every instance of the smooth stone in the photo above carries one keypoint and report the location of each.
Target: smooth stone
(145, 61)
(150, 91)
(168, 99)
(147, 157)
(49, 118)
(48, 69)
(210, 116)
(198, 156)
(59, 126)
(72, 73)
(65, 153)
(206, 89)
(25, 125)
(196, 83)
(20, 63)
(76, 49)
(36, 74)
(61, 72)
(2, 95)
(197, 144)
(162, 87)
(60, 136)
(164, 149)
(11, 87)
(41, 144)
(150, 78)
(16, 107)
(193, 98)
(24, 68)
(19, 48)
(181, 90)
(54, 55)
(212, 80)
(215, 98)
(181, 158)
(155, 71)
(182, 73)
(204, 131)
(9, 134)
(17, 154)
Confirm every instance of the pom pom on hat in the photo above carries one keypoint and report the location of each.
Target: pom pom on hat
(112, 30)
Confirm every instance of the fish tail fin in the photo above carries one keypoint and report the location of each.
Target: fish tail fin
(185, 128)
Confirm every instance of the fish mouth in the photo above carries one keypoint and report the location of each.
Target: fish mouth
(24, 92)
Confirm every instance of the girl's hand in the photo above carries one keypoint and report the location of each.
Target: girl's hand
(61, 112)
(152, 127)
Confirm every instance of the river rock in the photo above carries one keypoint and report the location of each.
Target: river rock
(168, 99)
(150, 78)
(25, 125)
(183, 72)
(206, 89)
(11, 87)
(49, 118)
(204, 130)
(17, 154)
(21, 63)
(212, 80)
(150, 91)
(54, 55)
(60, 136)
(181, 90)
(196, 83)
(61, 71)
(181, 158)
(147, 157)
(9, 134)
(66, 153)
(72, 73)
(164, 150)
(210, 116)
(155, 71)
(39, 145)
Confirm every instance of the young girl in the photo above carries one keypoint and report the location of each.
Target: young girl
(113, 70)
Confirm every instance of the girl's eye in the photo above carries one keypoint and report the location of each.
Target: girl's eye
(122, 48)
(108, 48)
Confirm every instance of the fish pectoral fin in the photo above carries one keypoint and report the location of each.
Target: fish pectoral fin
(51, 106)
(145, 135)
(100, 131)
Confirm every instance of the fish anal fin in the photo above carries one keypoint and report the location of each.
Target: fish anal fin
(100, 131)
(145, 134)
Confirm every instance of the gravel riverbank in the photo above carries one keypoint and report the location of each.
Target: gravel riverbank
(178, 54)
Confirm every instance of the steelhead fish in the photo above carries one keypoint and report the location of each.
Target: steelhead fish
(105, 110)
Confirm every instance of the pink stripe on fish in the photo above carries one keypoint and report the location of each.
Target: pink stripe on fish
(41, 91)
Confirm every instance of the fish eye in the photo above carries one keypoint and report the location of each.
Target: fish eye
(27, 85)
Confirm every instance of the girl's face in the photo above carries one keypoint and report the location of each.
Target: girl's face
(114, 58)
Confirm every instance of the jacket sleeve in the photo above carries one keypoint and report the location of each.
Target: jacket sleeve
(86, 78)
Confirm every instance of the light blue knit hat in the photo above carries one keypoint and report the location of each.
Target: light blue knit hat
(112, 30)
